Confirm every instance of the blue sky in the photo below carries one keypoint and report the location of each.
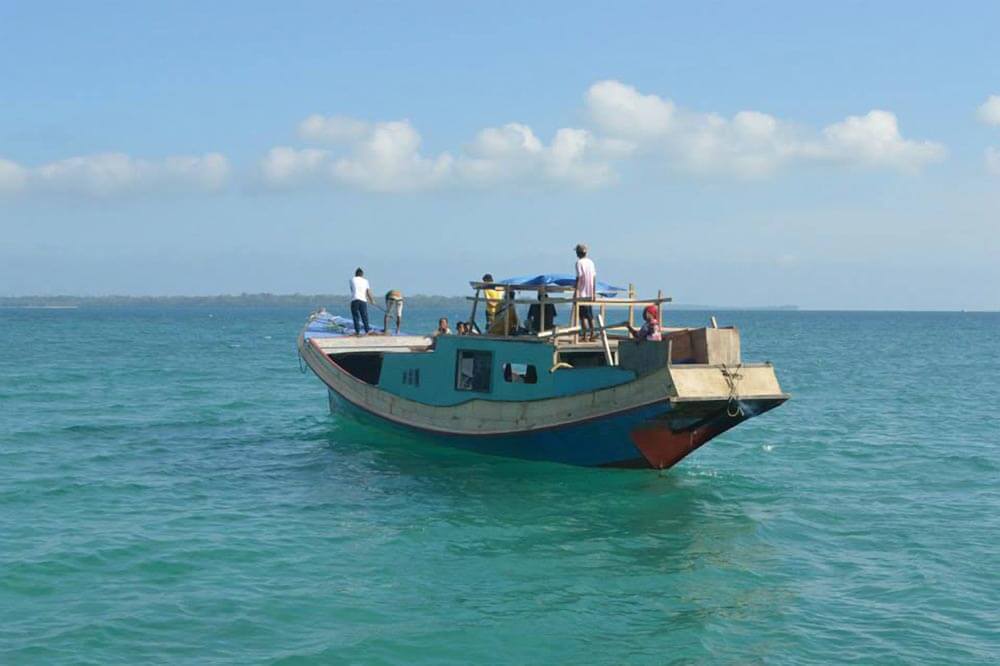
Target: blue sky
(840, 156)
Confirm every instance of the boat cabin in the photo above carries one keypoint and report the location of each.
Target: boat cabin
(532, 360)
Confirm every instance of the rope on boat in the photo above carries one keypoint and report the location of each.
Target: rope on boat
(732, 377)
(302, 368)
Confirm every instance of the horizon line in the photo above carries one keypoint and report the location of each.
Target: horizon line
(18, 302)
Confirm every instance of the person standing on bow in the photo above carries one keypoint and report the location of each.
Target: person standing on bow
(393, 308)
(361, 296)
(585, 290)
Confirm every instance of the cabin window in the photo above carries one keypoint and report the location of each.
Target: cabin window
(412, 377)
(584, 359)
(520, 373)
(473, 370)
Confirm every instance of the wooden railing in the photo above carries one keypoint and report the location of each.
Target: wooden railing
(543, 298)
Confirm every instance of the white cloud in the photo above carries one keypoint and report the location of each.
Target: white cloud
(386, 157)
(751, 143)
(501, 154)
(625, 123)
(206, 172)
(993, 161)
(621, 110)
(513, 154)
(284, 166)
(989, 111)
(380, 157)
(576, 156)
(13, 176)
(108, 174)
(511, 140)
(332, 129)
(874, 139)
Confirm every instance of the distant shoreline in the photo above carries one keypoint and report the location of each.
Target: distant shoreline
(307, 301)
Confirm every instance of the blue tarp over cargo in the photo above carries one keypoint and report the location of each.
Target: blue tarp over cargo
(560, 280)
(326, 325)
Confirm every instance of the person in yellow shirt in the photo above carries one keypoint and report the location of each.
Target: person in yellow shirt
(509, 313)
(493, 299)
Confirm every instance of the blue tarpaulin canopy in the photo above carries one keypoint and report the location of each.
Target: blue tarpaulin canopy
(559, 280)
(326, 325)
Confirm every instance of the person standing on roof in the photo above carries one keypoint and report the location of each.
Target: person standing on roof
(361, 296)
(393, 307)
(493, 300)
(585, 290)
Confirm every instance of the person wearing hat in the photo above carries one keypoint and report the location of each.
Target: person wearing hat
(494, 298)
(393, 308)
(585, 290)
(651, 327)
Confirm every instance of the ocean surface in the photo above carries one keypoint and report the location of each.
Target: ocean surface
(174, 490)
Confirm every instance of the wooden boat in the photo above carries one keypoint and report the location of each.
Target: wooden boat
(545, 394)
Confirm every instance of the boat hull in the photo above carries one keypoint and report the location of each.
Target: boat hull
(652, 421)
(644, 437)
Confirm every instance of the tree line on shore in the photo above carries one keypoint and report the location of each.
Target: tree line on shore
(310, 301)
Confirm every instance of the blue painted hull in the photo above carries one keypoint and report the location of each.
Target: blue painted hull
(595, 443)
(645, 425)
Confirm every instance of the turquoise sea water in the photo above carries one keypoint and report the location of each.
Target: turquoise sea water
(173, 490)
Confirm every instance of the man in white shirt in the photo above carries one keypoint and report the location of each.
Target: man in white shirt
(361, 296)
(585, 290)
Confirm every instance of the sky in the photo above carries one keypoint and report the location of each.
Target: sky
(827, 155)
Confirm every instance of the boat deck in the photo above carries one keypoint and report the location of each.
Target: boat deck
(343, 343)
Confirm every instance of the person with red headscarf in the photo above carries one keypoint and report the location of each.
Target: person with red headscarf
(651, 328)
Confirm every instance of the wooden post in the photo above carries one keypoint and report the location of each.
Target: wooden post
(604, 341)
(542, 297)
(659, 306)
(575, 318)
(475, 304)
(631, 308)
(506, 312)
